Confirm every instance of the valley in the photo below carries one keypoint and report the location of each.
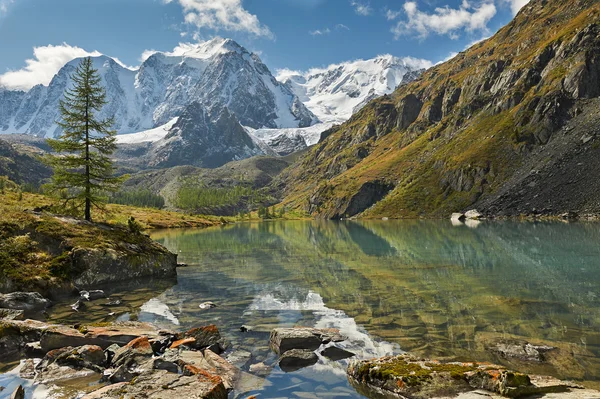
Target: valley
(209, 224)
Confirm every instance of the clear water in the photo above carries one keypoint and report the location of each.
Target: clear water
(427, 287)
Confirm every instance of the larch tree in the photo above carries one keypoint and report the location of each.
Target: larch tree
(83, 170)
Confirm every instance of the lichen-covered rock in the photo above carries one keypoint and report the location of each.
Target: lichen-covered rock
(410, 377)
(203, 337)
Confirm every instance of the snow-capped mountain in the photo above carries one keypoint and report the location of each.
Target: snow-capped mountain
(214, 74)
(335, 93)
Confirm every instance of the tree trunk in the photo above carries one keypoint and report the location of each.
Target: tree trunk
(88, 202)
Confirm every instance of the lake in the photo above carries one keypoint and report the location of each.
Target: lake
(427, 287)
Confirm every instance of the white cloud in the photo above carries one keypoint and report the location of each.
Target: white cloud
(227, 15)
(444, 20)
(516, 5)
(46, 62)
(4, 4)
(361, 8)
(341, 27)
(391, 15)
(320, 32)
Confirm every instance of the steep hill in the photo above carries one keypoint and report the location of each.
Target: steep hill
(335, 93)
(508, 126)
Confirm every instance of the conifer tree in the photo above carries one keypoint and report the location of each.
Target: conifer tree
(83, 170)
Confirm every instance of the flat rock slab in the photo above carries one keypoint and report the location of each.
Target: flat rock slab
(56, 336)
(161, 384)
(285, 339)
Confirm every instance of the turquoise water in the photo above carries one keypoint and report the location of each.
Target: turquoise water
(426, 287)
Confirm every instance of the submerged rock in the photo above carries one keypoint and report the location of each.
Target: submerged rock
(522, 351)
(297, 359)
(334, 353)
(27, 301)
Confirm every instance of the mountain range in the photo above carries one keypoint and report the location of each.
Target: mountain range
(288, 114)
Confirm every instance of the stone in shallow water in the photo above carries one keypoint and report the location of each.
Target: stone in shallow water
(297, 359)
(285, 339)
(204, 336)
(334, 353)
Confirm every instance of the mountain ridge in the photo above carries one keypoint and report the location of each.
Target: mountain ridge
(452, 138)
(216, 73)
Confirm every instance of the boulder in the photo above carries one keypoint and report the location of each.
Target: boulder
(27, 301)
(162, 384)
(204, 336)
(137, 348)
(473, 214)
(12, 314)
(285, 339)
(89, 357)
(109, 353)
(297, 359)
(228, 372)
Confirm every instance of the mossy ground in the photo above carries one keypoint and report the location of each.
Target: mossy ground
(35, 245)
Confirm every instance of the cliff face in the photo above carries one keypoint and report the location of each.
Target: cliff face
(469, 131)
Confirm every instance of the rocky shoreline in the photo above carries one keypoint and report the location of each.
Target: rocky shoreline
(133, 359)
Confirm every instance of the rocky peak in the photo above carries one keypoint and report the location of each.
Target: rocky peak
(457, 133)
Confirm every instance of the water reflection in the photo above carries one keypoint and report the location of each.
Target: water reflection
(435, 289)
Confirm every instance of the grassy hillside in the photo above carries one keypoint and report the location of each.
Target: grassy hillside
(454, 138)
(234, 187)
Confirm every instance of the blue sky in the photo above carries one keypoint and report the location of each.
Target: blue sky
(36, 36)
